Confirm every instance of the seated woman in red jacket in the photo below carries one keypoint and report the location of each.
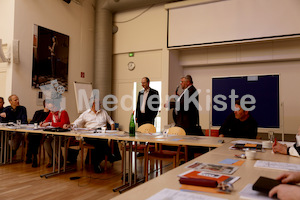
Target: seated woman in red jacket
(56, 118)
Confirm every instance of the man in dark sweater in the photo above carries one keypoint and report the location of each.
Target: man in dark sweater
(13, 113)
(1, 107)
(239, 124)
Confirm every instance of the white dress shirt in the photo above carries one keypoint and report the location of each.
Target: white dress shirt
(183, 92)
(145, 96)
(91, 120)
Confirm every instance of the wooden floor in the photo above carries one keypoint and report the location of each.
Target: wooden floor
(21, 181)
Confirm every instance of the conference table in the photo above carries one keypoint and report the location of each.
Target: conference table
(6, 151)
(247, 173)
(191, 140)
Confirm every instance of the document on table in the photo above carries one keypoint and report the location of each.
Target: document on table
(244, 142)
(213, 168)
(196, 174)
(249, 193)
(171, 194)
(277, 165)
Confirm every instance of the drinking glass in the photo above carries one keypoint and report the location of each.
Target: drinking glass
(271, 136)
(19, 123)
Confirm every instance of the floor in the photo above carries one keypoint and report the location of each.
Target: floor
(21, 181)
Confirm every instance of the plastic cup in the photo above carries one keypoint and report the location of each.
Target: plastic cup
(250, 155)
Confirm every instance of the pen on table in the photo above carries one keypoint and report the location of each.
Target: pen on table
(275, 141)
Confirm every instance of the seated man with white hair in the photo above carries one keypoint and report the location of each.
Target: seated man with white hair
(13, 113)
(95, 118)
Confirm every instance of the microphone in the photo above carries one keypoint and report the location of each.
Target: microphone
(177, 90)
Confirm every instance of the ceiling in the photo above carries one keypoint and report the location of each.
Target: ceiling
(122, 5)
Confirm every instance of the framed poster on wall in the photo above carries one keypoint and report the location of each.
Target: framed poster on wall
(50, 57)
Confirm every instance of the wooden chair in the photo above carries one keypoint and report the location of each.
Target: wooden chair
(147, 128)
(142, 148)
(167, 155)
(213, 133)
(83, 145)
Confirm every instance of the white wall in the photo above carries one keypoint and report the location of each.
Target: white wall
(6, 34)
(146, 37)
(222, 21)
(278, 57)
(76, 21)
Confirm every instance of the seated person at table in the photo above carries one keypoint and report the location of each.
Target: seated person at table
(34, 139)
(285, 190)
(56, 118)
(1, 107)
(92, 119)
(239, 124)
(13, 113)
(283, 149)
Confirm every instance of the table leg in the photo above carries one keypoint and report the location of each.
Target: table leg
(5, 147)
(53, 173)
(1, 150)
(130, 185)
(124, 168)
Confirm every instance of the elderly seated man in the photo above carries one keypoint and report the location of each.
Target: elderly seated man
(95, 118)
(13, 113)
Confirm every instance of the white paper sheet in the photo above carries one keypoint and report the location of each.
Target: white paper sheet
(170, 194)
(277, 165)
(249, 193)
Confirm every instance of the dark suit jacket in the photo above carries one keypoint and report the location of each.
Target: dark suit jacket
(149, 115)
(187, 119)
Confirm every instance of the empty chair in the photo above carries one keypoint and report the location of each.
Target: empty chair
(167, 155)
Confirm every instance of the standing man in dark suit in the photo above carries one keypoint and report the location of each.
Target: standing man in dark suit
(147, 104)
(186, 107)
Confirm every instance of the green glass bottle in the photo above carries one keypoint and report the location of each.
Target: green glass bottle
(132, 126)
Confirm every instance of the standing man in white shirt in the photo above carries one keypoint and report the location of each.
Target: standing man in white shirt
(147, 104)
(94, 119)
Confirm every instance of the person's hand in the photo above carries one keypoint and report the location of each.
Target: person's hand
(289, 177)
(279, 148)
(44, 124)
(286, 192)
(66, 126)
(3, 115)
(221, 135)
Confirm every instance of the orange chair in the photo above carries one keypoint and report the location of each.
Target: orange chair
(213, 133)
(167, 155)
(142, 148)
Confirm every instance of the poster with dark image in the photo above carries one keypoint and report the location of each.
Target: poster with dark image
(50, 57)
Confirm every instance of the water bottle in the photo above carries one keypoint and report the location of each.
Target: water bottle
(132, 126)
